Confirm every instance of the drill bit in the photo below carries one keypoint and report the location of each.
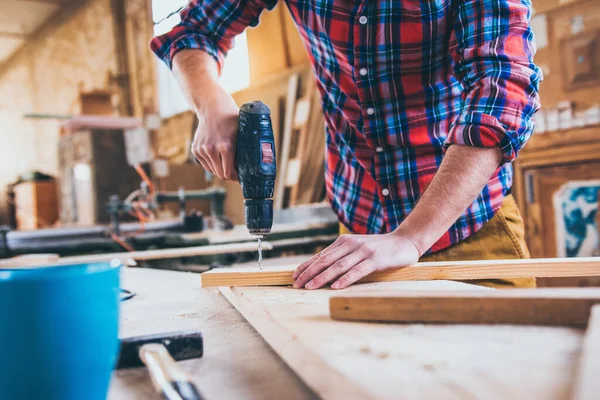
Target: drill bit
(260, 253)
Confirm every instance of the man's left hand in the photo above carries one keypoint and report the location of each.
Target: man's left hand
(352, 257)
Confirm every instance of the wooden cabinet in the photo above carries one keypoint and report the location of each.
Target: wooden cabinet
(557, 180)
(547, 163)
(36, 204)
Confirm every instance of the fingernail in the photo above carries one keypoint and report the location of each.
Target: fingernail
(336, 285)
(295, 285)
(310, 285)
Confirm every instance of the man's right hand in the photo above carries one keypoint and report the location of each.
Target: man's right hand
(214, 143)
(215, 140)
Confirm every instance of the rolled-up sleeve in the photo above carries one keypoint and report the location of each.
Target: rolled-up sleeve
(493, 51)
(210, 26)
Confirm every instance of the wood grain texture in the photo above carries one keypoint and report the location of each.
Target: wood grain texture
(237, 363)
(587, 385)
(460, 270)
(354, 360)
(550, 307)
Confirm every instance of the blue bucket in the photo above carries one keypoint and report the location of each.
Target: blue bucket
(58, 331)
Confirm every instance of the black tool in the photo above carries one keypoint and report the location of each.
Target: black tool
(158, 353)
(257, 167)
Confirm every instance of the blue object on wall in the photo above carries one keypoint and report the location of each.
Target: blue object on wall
(58, 331)
(576, 206)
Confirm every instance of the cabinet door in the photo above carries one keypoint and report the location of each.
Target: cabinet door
(543, 223)
(562, 205)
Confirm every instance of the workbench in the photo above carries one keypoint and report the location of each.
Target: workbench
(460, 361)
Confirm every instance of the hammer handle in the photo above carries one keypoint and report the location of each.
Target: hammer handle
(168, 378)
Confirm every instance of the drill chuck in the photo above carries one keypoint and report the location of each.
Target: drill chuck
(257, 168)
(259, 216)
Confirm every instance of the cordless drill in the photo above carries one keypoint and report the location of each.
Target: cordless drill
(257, 168)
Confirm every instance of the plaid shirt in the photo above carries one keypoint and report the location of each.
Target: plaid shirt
(400, 81)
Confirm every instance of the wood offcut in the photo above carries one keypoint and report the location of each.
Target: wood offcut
(460, 270)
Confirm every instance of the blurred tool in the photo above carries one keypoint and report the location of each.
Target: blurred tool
(159, 353)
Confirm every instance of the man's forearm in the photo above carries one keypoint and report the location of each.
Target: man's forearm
(197, 74)
(215, 138)
(462, 175)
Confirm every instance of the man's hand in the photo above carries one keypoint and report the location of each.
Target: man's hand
(214, 143)
(216, 137)
(353, 257)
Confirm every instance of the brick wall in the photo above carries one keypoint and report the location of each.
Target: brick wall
(47, 78)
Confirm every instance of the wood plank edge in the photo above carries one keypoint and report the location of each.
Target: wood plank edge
(587, 380)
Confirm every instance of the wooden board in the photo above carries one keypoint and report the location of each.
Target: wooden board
(460, 270)
(551, 307)
(237, 363)
(353, 360)
(125, 257)
(587, 385)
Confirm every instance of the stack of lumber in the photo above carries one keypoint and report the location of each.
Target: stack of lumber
(301, 159)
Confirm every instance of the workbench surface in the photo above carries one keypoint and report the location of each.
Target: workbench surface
(238, 364)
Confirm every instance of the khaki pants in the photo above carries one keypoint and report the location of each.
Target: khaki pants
(503, 237)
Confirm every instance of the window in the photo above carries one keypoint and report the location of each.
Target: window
(236, 71)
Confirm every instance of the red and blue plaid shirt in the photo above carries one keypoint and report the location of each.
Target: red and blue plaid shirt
(400, 81)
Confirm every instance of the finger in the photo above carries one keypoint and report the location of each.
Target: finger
(201, 161)
(211, 156)
(302, 267)
(197, 154)
(227, 162)
(325, 260)
(337, 269)
(359, 271)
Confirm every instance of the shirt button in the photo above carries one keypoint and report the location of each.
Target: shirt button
(370, 111)
(363, 71)
(363, 20)
(379, 149)
(385, 192)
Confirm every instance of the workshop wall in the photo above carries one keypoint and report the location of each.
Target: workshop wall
(47, 78)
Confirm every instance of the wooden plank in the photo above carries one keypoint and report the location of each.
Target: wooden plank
(354, 360)
(125, 257)
(454, 271)
(237, 363)
(286, 139)
(551, 307)
(587, 384)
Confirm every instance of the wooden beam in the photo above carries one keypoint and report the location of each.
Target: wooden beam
(550, 307)
(454, 271)
(125, 257)
(587, 384)
(286, 139)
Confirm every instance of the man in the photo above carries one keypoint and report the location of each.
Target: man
(427, 103)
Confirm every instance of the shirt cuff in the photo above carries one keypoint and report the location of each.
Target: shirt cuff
(482, 130)
(169, 44)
